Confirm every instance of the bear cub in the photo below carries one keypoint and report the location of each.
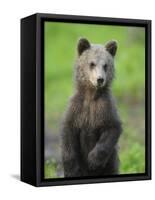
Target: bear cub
(91, 127)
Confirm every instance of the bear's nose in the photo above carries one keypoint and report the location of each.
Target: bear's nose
(100, 81)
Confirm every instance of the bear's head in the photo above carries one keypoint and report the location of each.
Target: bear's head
(95, 63)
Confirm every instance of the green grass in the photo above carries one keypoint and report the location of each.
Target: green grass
(133, 161)
(50, 169)
(128, 86)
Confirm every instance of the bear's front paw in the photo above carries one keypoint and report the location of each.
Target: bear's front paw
(96, 160)
(93, 162)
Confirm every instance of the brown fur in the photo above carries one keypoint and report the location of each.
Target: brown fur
(91, 126)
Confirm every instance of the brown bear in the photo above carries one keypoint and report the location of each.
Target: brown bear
(91, 126)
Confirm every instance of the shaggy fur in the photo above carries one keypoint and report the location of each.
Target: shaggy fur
(91, 126)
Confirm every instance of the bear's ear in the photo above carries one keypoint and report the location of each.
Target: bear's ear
(111, 47)
(83, 44)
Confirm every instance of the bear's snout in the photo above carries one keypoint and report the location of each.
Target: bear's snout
(100, 81)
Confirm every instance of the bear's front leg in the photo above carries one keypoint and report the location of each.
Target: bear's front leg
(70, 153)
(100, 154)
(71, 166)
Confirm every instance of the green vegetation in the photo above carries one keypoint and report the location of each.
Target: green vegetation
(133, 161)
(50, 169)
(128, 87)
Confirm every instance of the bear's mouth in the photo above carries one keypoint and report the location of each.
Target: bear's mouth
(100, 85)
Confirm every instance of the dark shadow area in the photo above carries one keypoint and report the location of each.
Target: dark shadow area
(16, 176)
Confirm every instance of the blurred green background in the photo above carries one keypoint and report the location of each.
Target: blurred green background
(128, 88)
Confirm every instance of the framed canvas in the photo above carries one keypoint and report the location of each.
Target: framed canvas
(85, 99)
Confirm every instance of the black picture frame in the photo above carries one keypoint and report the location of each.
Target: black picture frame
(32, 98)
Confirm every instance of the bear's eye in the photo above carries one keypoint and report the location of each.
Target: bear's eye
(92, 65)
(105, 67)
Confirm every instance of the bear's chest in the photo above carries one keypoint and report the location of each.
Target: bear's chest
(90, 119)
(91, 114)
